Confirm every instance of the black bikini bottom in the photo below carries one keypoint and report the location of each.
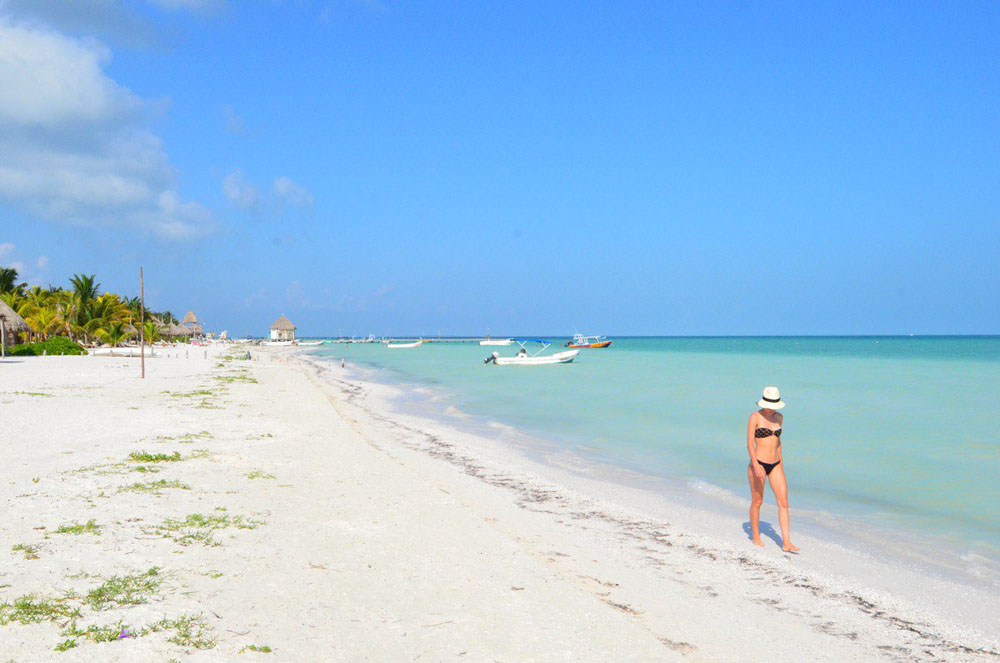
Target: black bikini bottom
(768, 466)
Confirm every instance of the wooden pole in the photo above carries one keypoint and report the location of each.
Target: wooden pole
(3, 338)
(142, 326)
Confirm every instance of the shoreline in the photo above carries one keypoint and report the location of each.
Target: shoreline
(856, 533)
(344, 531)
(881, 577)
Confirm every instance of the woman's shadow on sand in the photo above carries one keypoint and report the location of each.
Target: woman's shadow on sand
(765, 530)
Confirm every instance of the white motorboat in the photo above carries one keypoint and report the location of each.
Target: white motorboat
(308, 343)
(524, 358)
(399, 346)
(497, 341)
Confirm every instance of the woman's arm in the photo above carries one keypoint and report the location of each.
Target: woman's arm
(781, 422)
(752, 447)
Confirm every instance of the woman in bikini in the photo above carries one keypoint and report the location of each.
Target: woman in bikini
(764, 445)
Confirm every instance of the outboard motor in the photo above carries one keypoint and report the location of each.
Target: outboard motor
(492, 357)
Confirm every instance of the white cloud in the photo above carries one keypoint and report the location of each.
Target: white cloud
(240, 193)
(291, 193)
(42, 262)
(74, 142)
(234, 123)
(5, 248)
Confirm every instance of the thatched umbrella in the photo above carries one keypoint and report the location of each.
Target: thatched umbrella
(175, 330)
(11, 326)
(190, 318)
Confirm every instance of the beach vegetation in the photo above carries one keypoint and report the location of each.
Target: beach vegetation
(28, 550)
(189, 631)
(237, 377)
(262, 649)
(59, 345)
(69, 643)
(213, 574)
(78, 313)
(259, 474)
(90, 527)
(154, 487)
(32, 609)
(146, 457)
(124, 590)
(199, 528)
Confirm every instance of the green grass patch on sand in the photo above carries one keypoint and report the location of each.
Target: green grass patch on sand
(154, 487)
(29, 393)
(200, 393)
(260, 474)
(186, 438)
(29, 551)
(199, 528)
(189, 631)
(236, 377)
(89, 527)
(117, 591)
(32, 609)
(262, 649)
(146, 457)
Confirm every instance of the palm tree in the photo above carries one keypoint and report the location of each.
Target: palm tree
(114, 333)
(152, 331)
(44, 322)
(8, 279)
(85, 286)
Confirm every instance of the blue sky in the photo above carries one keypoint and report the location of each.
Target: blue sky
(422, 167)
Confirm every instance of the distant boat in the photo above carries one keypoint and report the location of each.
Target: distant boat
(581, 341)
(399, 346)
(522, 358)
(497, 341)
(309, 343)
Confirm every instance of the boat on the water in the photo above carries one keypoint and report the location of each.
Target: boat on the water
(497, 341)
(524, 358)
(582, 341)
(309, 343)
(398, 346)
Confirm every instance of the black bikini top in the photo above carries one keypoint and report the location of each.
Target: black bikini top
(767, 432)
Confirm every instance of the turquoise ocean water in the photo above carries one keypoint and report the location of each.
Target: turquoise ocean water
(893, 433)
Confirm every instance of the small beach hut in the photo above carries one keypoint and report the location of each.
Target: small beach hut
(282, 329)
(191, 323)
(12, 326)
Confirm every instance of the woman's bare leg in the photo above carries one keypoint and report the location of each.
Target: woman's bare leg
(780, 488)
(756, 499)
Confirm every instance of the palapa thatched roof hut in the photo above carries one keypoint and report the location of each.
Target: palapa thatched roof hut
(13, 325)
(190, 318)
(174, 330)
(282, 329)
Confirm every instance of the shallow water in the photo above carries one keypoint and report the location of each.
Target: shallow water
(893, 433)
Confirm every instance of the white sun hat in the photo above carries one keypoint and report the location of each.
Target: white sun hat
(771, 399)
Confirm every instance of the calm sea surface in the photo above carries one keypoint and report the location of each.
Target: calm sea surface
(899, 432)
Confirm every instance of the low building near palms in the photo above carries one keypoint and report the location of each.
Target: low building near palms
(12, 326)
(282, 330)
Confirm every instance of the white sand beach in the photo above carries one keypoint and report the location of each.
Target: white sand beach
(276, 504)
